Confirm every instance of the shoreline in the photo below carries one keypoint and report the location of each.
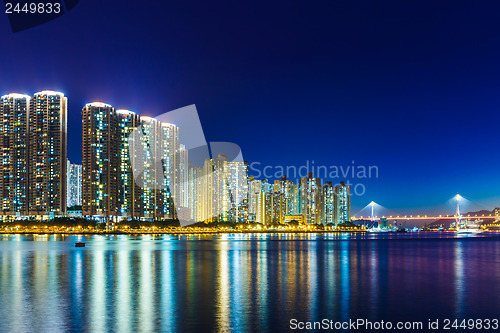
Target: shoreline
(218, 232)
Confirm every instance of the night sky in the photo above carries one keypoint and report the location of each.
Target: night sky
(409, 86)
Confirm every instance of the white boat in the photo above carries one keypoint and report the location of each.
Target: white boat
(468, 228)
(382, 229)
(468, 231)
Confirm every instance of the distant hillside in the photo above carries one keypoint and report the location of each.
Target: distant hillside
(446, 223)
(480, 212)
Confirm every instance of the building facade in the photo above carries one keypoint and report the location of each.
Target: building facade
(311, 199)
(129, 194)
(74, 184)
(100, 144)
(47, 154)
(14, 144)
(328, 203)
(342, 209)
(33, 155)
(131, 164)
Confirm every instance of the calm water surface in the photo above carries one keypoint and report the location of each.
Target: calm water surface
(242, 282)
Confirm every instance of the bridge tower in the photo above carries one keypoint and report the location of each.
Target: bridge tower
(458, 216)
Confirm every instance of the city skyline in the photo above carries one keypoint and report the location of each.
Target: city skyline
(113, 140)
(337, 173)
(397, 93)
(137, 167)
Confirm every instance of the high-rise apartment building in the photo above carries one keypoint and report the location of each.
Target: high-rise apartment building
(47, 154)
(74, 184)
(182, 208)
(172, 158)
(196, 181)
(290, 193)
(278, 207)
(342, 209)
(218, 191)
(237, 182)
(308, 201)
(215, 194)
(100, 145)
(129, 194)
(131, 164)
(311, 199)
(261, 195)
(156, 197)
(328, 203)
(254, 189)
(14, 158)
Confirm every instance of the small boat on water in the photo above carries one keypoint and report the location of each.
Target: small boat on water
(79, 244)
(469, 231)
(382, 229)
(468, 228)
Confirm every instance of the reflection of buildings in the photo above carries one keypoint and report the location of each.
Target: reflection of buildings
(33, 137)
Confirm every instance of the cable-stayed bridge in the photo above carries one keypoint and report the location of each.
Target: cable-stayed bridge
(374, 212)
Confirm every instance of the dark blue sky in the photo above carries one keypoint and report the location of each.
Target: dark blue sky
(409, 86)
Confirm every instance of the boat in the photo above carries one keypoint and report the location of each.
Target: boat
(382, 229)
(468, 228)
(79, 244)
(468, 231)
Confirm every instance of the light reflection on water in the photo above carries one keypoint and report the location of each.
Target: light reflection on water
(241, 282)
